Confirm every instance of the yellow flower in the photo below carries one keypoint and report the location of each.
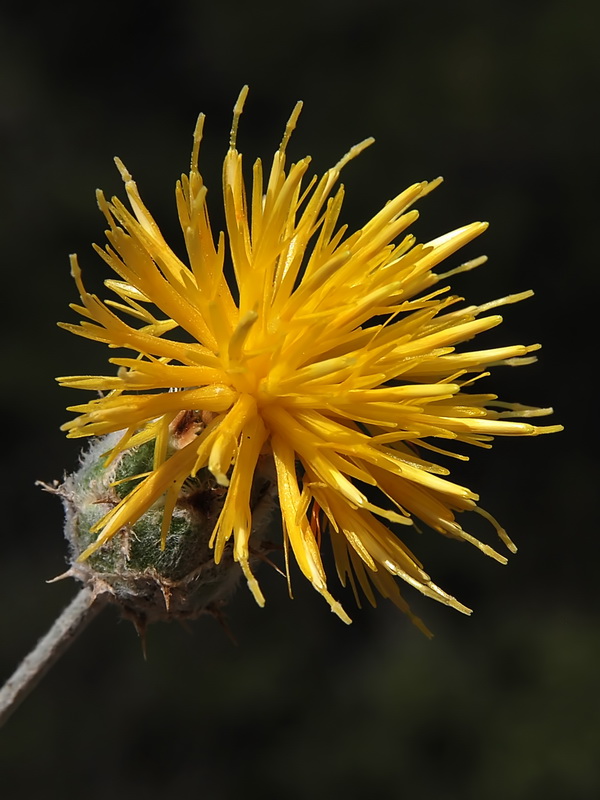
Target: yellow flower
(332, 354)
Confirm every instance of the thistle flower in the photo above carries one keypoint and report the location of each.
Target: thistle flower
(333, 358)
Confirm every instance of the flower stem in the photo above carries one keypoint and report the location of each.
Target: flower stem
(73, 620)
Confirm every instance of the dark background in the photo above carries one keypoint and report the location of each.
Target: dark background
(500, 98)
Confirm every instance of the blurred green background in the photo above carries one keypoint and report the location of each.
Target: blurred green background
(500, 98)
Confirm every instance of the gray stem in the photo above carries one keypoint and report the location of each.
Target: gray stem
(73, 620)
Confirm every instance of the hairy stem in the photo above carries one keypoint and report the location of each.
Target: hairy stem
(73, 620)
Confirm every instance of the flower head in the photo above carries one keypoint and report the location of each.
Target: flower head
(335, 357)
